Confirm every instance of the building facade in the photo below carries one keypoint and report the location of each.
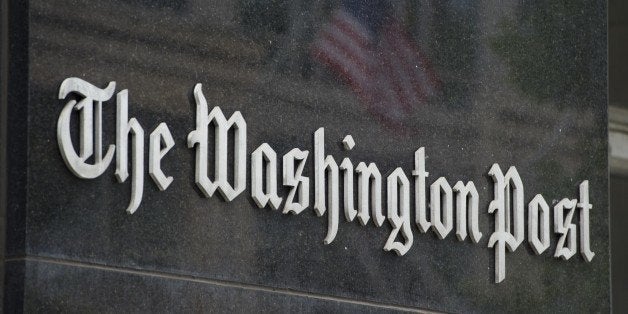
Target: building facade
(167, 156)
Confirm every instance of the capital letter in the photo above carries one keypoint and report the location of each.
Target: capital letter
(76, 162)
(504, 186)
(198, 137)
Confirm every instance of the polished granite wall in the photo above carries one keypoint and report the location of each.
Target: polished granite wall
(520, 84)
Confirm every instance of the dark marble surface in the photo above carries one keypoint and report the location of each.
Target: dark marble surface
(58, 288)
(519, 84)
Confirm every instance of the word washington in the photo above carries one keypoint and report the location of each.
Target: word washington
(437, 216)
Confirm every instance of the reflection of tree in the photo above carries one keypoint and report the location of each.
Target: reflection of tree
(548, 47)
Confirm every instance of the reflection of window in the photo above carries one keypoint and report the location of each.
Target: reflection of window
(618, 140)
(171, 4)
(618, 148)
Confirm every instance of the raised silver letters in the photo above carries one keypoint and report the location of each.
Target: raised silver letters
(347, 168)
(264, 153)
(159, 136)
(124, 128)
(292, 177)
(539, 243)
(585, 206)
(91, 139)
(399, 212)
(323, 165)
(464, 192)
(76, 162)
(369, 184)
(505, 235)
(441, 207)
(507, 204)
(419, 190)
(199, 139)
(564, 226)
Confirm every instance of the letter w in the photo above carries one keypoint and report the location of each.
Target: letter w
(199, 138)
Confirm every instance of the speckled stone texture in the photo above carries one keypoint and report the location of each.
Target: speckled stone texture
(519, 83)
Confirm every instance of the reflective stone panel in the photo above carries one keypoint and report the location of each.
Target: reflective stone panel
(86, 289)
(473, 83)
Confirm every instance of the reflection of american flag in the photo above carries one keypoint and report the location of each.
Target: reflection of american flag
(378, 59)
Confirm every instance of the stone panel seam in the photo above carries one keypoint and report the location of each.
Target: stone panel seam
(216, 282)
